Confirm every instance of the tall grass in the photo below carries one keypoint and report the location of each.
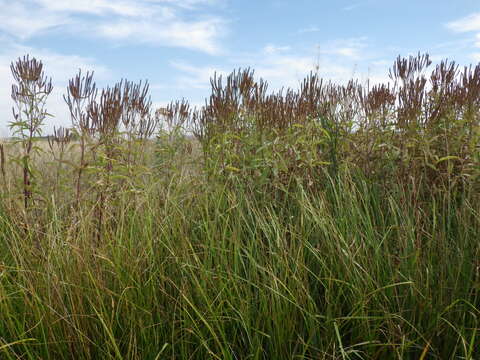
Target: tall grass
(296, 225)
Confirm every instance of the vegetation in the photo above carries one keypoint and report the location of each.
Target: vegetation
(328, 222)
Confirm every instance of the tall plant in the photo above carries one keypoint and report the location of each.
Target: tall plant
(81, 93)
(30, 95)
(120, 116)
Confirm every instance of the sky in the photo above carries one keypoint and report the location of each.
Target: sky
(177, 45)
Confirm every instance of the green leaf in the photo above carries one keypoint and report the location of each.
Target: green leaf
(446, 158)
(232, 168)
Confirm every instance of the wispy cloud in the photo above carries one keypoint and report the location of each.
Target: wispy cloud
(284, 69)
(273, 49)
(119, 7)
(124, 8)
(178, 23)
(23, 20)
(352, 6)
(199, 35)
(466, 24)
(197, 77)
(351, 48)
(309, 29)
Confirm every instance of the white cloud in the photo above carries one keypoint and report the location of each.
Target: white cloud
(23, 20)
(352, 6)
(178, 23)
(188, 4)
(468, 23)
(476, 57)
(118, 7)
(197, 77)
(199, 35)
(272, 49)
(309, 29)
(288, 68)
(349, 48)
(347, 51)
(124, 8)
(283, 69)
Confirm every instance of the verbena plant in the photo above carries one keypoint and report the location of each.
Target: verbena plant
(30, 95)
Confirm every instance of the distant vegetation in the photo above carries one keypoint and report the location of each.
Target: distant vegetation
(329, 222)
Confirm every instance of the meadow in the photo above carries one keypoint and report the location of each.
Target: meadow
(326, 222)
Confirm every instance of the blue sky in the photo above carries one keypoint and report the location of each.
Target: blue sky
(178, 44)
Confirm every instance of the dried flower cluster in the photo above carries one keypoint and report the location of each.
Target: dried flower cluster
(417, 126)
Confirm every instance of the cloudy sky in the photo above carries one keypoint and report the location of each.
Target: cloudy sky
(178, 44)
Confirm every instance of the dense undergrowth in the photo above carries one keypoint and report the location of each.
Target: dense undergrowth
(329, 222)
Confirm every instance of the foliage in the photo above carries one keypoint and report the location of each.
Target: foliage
(329, 222)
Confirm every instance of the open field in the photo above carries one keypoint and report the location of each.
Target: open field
(332, 222)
